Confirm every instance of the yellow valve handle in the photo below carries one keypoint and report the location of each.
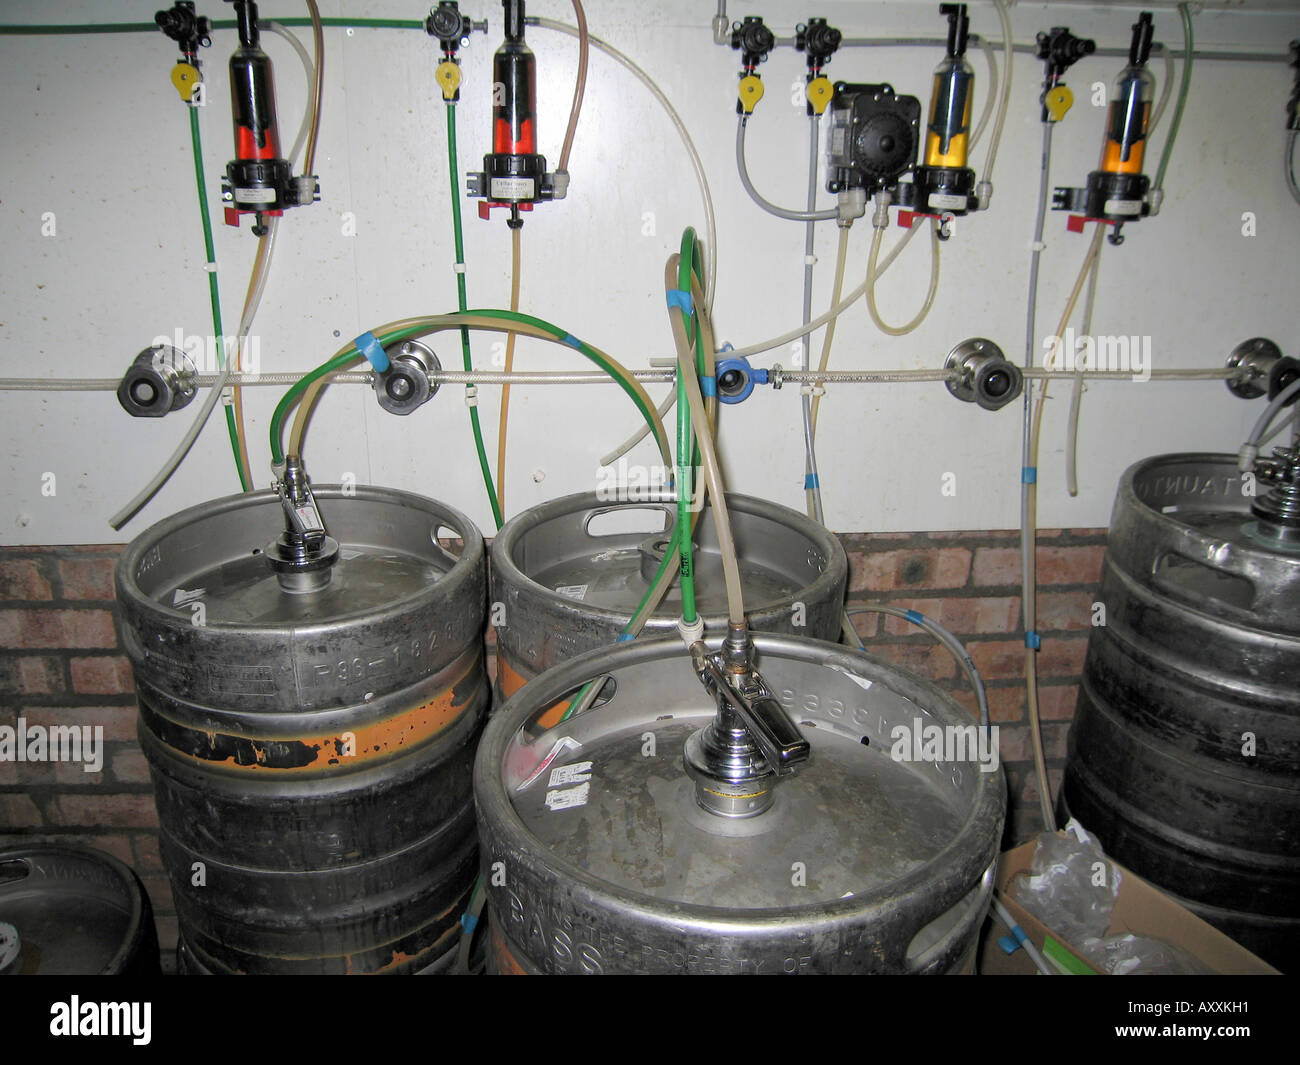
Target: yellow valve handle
(751, 91)
(186, 78)
(1058, 101)
(820, 93)
(448, 76)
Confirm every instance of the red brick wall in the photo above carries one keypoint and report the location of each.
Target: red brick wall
(60, 664)
(970, 584)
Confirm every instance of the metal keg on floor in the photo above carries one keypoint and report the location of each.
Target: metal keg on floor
(608, 846)
(68, 910)
(309, 714)
(1184, 756)
(568, 575)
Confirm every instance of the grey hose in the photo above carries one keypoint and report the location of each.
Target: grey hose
(945, 637)
(771, 208)
(809, 246)
(1288, 164)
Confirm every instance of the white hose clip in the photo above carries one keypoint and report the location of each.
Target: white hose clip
(458, 268)
(691, 633)
(471, 395)
(1246, 457)
(812, 390)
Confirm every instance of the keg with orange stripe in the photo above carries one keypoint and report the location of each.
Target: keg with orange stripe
(312, 752)
(568, 575)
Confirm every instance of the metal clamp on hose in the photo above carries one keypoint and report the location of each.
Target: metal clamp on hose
(159, 381)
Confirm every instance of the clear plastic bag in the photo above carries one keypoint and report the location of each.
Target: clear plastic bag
(1130, 955)
(1071, 886)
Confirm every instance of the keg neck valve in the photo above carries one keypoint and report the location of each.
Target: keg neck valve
(736, 759)
(302, 556)
(1278, 511)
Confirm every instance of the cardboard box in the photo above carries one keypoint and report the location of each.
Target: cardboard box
(1141, 909)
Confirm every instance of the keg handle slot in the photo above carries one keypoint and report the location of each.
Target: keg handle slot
(13, 871)
(1199, 583)
(613, 521)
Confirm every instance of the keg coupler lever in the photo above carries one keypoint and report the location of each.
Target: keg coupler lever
(304, 552)
(736, 759)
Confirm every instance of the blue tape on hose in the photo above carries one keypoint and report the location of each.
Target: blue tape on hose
(623, 637)
(914, 616)
(572, 341)
(468, 922)
(681, 299)
(1033, 641)
(369, 346)
(708, 386)
(810, 481)
(1008, 945)
(1029, 475)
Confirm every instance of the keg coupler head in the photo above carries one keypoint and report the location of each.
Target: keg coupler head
(304, 553)
(1278, 511)
(736, 759)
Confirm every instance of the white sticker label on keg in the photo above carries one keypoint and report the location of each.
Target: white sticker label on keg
(570, 774)
(1129, 207)
(568, 798)
(564, 743)
(517, 188)
(572, 591)
(946, 202)
(255, 195)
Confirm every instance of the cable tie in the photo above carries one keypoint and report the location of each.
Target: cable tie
(681, 299)
(1037, 245)
(810, 260)
(810, 481)
(458, 268)
(210, 267)
(571, 340)
(1029, 475)
(369, 346)
(1032, 640)
(471, 395)
(708, 386)
(914, 616)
